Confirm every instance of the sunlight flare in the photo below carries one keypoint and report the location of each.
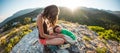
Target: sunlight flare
(72, 5)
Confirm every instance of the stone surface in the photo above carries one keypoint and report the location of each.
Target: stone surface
(29, 43)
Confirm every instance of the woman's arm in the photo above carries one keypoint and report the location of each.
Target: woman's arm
(40, 25)
(61, 36)
(40, 28)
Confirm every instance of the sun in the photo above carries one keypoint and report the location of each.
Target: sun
(72, 7)
(72, 4)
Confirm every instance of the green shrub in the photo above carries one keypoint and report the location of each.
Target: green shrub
(101, 50)
(8, 48)
(96, 28)
(86, 38)
(104, 41)
(3, 42)
(106, 34)
(16, 39)
(17, 35)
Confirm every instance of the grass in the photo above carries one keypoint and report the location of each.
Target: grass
(106, 34)
(9, 40)
(86, 38)
(101, 50)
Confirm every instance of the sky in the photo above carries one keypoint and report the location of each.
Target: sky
(9, 7)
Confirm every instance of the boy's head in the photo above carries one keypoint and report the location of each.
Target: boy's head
(57, 29)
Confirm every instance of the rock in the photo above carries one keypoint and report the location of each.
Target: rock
(62, 51)
(30, 44)
(118, 49)
(113, 46)
(90, 51)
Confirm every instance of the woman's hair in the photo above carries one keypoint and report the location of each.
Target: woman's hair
(51, 13)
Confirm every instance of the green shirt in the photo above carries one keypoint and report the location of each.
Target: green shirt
(68, 33)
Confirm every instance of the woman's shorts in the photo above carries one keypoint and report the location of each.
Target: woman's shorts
(42, 41)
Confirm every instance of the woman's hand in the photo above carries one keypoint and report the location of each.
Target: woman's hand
(60, 35)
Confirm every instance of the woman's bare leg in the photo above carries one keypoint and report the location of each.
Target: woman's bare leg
(55, 41)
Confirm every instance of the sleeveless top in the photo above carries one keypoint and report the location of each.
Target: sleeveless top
(45, 30)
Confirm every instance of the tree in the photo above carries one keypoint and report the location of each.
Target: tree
(27, 20)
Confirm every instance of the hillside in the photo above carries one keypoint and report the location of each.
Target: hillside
(113, 12)
(116, 13)
(82, 15)
(16, 15)
(11, 37)
(91, 16)
(19, 18)
(88, 41)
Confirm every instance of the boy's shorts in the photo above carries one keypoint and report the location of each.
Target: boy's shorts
(69, 39)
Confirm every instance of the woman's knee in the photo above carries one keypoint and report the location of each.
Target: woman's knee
(56, 41)
(61, 40)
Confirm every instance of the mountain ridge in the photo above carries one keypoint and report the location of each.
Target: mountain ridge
(82, 15)
(19, 13)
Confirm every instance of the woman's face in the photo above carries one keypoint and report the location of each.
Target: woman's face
(58, 29)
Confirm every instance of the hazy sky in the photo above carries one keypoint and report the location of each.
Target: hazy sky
(9, 7)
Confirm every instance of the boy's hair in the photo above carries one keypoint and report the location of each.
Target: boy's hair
(55, 28)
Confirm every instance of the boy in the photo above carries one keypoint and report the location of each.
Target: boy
(68, 35)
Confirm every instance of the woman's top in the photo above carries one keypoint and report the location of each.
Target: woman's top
(45, 30)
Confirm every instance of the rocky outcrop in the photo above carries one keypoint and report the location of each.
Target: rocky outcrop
(88, 41)
(29, 44)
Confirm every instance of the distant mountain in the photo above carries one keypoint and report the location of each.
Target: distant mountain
(17, 14)
(116, 13)
(91, 16)
(82, 15)
(18, 18)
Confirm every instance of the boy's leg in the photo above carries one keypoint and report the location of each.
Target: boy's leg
(55, 41)
(69, 39)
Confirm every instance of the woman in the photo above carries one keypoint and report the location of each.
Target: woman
(45, 20)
